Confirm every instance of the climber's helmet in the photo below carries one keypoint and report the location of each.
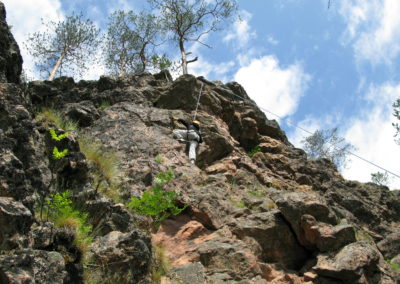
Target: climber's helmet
(196, 122)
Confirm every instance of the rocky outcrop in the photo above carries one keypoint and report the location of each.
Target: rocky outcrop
(269, 217)
(10, 57)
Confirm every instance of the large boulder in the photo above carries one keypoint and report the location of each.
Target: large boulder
(10, 57)
(274, 236)
(355, 263)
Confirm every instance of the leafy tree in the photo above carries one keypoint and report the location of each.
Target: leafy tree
(130, 42)
(396, 113)
(328, 144)
(380, 178)
(187, 20)
(64, 45)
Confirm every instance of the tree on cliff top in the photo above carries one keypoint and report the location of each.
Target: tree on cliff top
(396, 113)
(64, 45)
(130, 42)
(328, 144)
(190, 20)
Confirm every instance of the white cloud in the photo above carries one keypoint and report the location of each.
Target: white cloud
(372, 133)
(273, 87)
(373, 29)
(241, 32)
(25, 17)
(271, 40)
(211, 70)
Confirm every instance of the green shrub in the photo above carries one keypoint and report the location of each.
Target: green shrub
(62, 213)
(253, 151)
(157, 202)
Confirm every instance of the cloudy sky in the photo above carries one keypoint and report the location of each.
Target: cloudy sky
(314, 67)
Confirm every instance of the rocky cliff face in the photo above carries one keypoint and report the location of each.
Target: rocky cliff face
(10, 57)
(274, 217)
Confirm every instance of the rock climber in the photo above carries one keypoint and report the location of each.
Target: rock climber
(192, 136)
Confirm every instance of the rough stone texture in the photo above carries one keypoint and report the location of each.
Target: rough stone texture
(32, 266)
(248, 220)
(390, 245)
(123, 253)
(355, 263)
(187, 274)
(10, 57)
(15, 222)
(275, 238)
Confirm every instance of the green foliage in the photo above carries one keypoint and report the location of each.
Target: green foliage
(239, 204)
(48, 115)
(157, 202)
(328, 144)
(380, 178)
(396, 114)
(56, 153)
(65, 46)
(104, 105)
(395, 266)
(184, 21)
(104, 164)
(59, 155)
(253, 151)
(56, 137)
(159, 159)
(63, 214)
(161, 62)
(163, 178)
(130, 42)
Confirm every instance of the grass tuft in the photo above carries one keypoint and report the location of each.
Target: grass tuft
(105, 166)
(48, 115)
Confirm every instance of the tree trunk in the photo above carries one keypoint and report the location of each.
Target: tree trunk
(143, 58)
(55, 69)
(183, 54)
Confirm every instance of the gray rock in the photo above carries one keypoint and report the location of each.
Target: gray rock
(274, 236)
(32, 266)
(187, 274)
(15, 222)
(123, 253)
(353, 262)
(390, 245)
(10, 57)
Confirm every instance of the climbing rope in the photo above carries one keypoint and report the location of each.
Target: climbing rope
(198, 101)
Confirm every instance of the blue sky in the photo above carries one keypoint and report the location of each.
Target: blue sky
(315, 67)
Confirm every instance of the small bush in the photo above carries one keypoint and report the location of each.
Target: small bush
(157, 203)
(62, 213)
(253, 151)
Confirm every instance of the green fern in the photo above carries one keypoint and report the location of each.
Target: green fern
(59, 155)
(56, 137)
